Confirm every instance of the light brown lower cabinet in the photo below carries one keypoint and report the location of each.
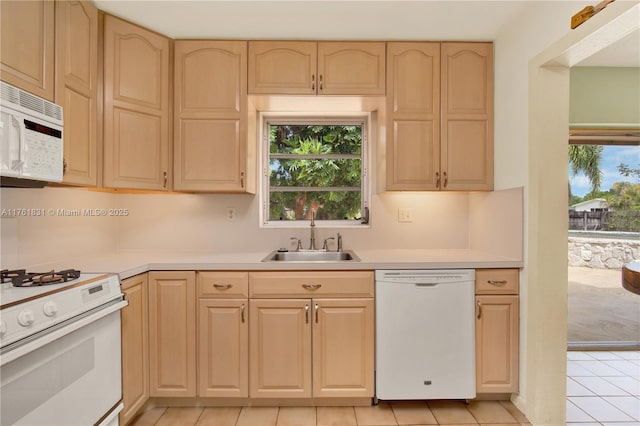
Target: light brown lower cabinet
(223, 348)
(311, 334)
(343, 342)
(280, 341)
(172, 333)
(135, 346)
(497, 330)
(299, 342)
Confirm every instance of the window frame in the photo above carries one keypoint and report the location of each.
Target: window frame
(359, 119)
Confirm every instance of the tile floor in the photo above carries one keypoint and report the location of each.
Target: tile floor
(484, 413)
(603, 388)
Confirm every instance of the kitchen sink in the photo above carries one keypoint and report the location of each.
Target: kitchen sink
(312, 256)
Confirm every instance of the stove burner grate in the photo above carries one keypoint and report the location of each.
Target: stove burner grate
(22, 278)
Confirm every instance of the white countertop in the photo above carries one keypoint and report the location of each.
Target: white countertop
(129, 263)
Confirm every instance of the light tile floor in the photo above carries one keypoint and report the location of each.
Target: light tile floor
(483, 413)
(603, 388)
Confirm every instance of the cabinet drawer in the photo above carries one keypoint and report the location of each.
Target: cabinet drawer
(223, 284)
(497, 281)
(311, 284)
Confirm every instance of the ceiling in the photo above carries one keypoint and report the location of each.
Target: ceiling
(320, 20)
(623, 53)
(343, 20)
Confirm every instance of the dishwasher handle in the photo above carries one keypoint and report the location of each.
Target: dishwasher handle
(425, 284)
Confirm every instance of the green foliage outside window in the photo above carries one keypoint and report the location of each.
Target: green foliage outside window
(315, 167)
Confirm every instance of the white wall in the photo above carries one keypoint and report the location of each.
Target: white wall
(543, 160)
(40, 232)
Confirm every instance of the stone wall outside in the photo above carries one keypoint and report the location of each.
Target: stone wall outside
(603, 253)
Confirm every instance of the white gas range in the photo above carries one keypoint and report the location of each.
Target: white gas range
(60, 359)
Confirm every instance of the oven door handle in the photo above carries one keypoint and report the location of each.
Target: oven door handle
(38, 340)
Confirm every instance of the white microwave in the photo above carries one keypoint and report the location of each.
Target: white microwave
(31, 143)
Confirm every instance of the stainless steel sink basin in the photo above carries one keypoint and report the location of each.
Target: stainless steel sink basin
(312, 256)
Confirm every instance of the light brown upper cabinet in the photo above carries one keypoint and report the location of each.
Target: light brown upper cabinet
(27, 46)
(323, 68)
(210, 127)
(413, 130)
(136, 107)
(466, 160)
(440, 109)
(77, 88)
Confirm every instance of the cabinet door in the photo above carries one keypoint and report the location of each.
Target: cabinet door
(497, 344)
(27, 45)
(467, 116)
(282, 67)
(223, 354)
(343, 348)
(136, 106)
(280, 341)
(172, 333)
(413, 126)
(76, 88)
(351, 68)
(135, 346)
(210, 140)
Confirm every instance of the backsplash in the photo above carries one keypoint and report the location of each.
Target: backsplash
(49, 224)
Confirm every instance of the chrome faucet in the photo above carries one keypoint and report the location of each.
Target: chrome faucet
(312, 242)
(325, 246)
(298, 243)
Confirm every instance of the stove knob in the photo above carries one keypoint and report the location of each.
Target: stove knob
(26, 318)
(3, 328)
(50, 308)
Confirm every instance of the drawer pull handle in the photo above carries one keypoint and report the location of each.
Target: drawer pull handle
(316, 313)
(222, 286)
(311, 286)
(306, 314)
(437, 180)
(242, 313)
(479, 309)
(497, 282)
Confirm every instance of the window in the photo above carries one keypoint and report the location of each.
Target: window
(315, 165)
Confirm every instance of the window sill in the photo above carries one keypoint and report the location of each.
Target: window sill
(320, 224)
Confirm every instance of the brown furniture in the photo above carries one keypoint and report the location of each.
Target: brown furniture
(631, 277)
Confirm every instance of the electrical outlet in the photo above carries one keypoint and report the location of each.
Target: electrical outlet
(405, 215)
(231, 214)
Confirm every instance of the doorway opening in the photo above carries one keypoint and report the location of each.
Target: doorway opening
(604, 235)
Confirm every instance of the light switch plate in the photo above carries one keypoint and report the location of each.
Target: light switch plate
(405, 215)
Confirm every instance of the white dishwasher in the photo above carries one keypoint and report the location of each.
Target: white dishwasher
(425, 334)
